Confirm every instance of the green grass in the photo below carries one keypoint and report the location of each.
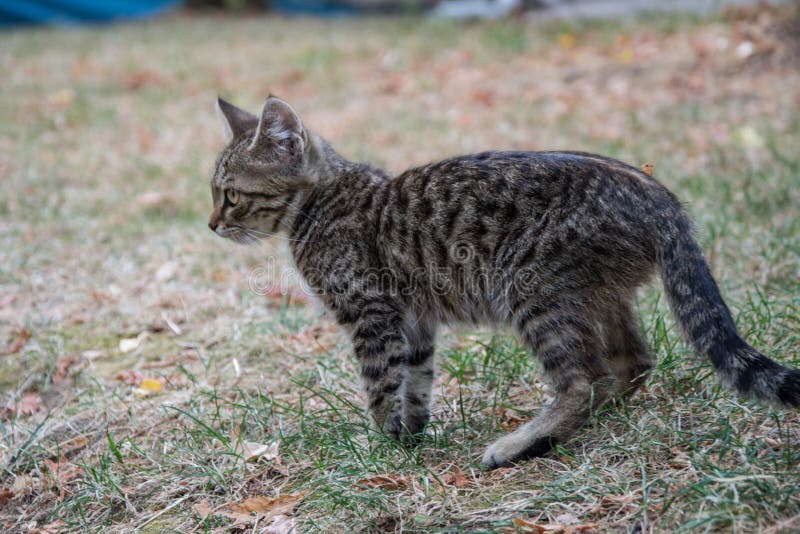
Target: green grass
(97, 123)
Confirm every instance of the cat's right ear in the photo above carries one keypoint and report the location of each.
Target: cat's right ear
(234, 121)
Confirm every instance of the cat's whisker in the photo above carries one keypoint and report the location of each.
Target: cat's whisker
(279, 236)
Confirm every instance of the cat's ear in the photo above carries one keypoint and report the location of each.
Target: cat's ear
(280, 130)
(234, 121)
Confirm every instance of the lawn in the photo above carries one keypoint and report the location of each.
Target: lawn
(156, 378)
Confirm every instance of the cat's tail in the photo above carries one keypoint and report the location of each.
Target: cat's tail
(707, 322)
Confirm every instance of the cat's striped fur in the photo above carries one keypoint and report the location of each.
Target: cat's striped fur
(553, 244)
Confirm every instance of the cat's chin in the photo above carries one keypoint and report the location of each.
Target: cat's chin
(240, 236)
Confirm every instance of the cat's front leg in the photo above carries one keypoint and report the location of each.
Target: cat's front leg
(381, 349)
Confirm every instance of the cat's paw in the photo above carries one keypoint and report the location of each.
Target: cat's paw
(510, 450)
(393, 426)
(497, 455)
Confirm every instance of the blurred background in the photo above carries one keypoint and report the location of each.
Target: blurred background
(116, 300)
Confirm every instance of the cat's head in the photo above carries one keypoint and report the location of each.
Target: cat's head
(260, 173)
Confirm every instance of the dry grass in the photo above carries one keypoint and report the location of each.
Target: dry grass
(106, 139)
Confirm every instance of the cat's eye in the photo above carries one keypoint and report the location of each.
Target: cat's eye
(232, 195)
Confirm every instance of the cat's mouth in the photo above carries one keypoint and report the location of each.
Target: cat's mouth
(237, 234)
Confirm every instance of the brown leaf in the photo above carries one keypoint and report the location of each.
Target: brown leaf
(202, 508)
(529, 527)
(53, 527)
(62, 367)
(647, 168)
(5, 495)
(21, 336)
(140, 78)
(28, 404)
(484, 97)
(129, 377)
(267, 506)
(456, 479)
(384, 482)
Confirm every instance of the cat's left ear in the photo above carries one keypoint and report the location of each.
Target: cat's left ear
(234, 121)
(280, 130)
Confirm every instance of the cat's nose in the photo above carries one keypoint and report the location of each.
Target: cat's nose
(214, 220)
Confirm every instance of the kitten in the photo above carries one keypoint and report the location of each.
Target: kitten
(553, 244)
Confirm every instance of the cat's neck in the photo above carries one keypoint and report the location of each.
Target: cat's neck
(324, 164)
(324, 170)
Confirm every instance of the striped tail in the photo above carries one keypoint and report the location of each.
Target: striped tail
(707, 322)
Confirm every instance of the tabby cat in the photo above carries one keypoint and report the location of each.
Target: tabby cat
(552, 244)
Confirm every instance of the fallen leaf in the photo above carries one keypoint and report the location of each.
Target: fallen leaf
(5, 495)
(167, 271)
(53, 527)
(140, 78)
(647, 168)
(149, 386)
(28, 404)
(566, 41)
(384, 482)
(62, 367)
(456, 479)
(24, 485)
(267, 506)
(129, 377)
(253, 451)
(132, 343)
(529, 527)
(62, 97)
(21, 336)
(202, 508)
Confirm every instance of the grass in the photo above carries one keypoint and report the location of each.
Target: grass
(107, 136)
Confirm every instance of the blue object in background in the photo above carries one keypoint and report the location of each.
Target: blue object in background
(14, 12)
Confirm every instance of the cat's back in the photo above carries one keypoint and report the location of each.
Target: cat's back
(504, 185)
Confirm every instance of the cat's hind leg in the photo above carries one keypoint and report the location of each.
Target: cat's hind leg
(628, 355)
(565, 339)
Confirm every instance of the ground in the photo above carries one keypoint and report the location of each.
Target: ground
(157, 378)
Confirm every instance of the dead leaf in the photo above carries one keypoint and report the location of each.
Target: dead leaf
(62, 367)
(384, 482)
(53, 527)
(141, 78)
(267, 506)
(529, 527)
(484, 97)
(149, 386)
(566, 41)
(21, 336)
(456, 479)
(132, 343)
(167, 271)
(157, 202)
(647, 168)
(61, 473)
(62, 98)
(253, 451)
(203, 509)
(5, 495)
(28, 404)
(129, 377)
